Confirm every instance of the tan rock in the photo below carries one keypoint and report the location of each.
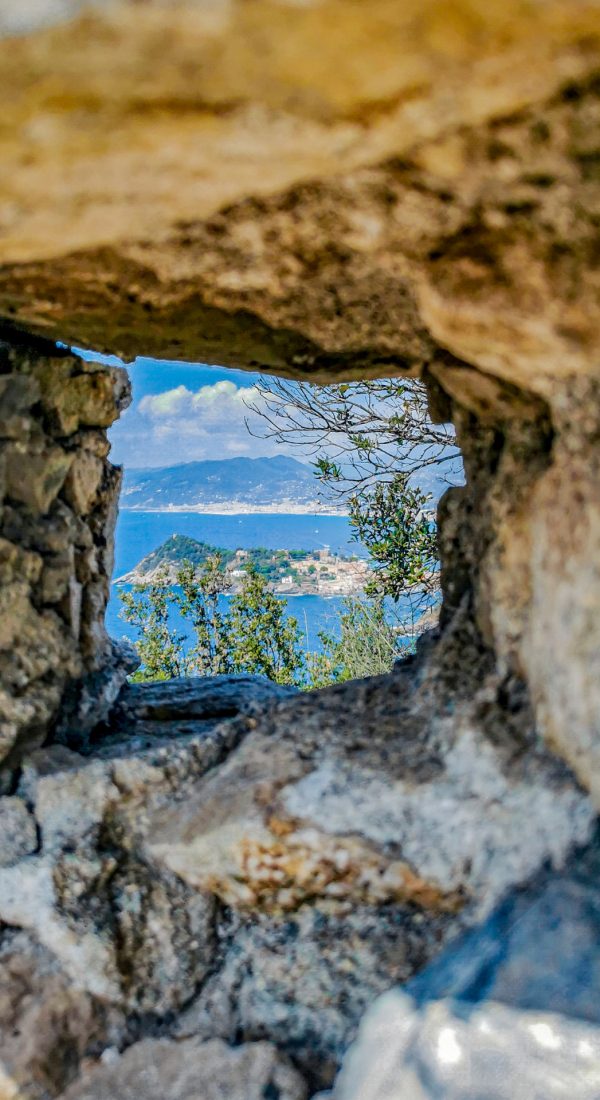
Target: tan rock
(90, 397)
(58, 571)
(36, 477)
(118, 163)
(83, 481)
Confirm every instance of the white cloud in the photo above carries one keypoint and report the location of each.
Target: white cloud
(180, 425)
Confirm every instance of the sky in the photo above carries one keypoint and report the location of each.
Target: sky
(189, 412)
(186, 412)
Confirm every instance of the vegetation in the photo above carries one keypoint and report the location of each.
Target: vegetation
(368, 644)
(254, 635)
(271, 564)
(369, 440)
(181, 548)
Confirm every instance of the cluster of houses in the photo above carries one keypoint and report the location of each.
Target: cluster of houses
(318, 573)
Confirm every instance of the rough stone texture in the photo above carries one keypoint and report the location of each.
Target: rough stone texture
(333, 189)
(445, 1053)
(339, 188)
(538, 952)
(55, 535)
(48, 1026)
(195, 697)
(18, 835)
(87, 702)
(268, 875)
(192, 1070)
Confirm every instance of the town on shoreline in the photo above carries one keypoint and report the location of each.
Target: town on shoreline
(288, 572)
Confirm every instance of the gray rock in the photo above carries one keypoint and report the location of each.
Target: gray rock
(88, 702)
(196, 697)
(305, 979)
(445, 1051)
(18, 834)
(540, 949)
(192, 1070)
(268, 876)
(47, 1024)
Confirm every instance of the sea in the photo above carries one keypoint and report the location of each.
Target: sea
(138, 533)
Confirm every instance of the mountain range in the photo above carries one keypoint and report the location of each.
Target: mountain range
(280, 484)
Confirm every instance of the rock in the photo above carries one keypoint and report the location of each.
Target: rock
(18, 393)
(88, 702)
(77, 393)
(268, 876)
(196, 697)
(446, 1051)
(18, 834)
(36, 477)
(448, 1033)
(539, 950)
(47, 1025)
(83, 482)
(163, 1070)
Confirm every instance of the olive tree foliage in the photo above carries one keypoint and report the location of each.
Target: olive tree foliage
(369, 441)
(253, 635)
(367, 642)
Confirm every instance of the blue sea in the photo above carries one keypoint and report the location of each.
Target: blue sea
(138, 533)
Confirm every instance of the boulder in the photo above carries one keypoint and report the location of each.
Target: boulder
(196, 697)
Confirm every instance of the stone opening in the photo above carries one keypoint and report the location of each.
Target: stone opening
(432, 209)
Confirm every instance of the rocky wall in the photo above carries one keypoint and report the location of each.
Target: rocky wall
(203, 894)
(57, 519)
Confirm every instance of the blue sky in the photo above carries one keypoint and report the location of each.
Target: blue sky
(184, 412)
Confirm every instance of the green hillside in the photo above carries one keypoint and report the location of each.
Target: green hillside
(272, 564)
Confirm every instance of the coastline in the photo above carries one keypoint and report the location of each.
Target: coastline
(238, 510)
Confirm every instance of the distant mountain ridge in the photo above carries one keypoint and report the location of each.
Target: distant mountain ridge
(279, 484)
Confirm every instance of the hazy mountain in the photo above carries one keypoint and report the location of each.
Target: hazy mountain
(279, 484)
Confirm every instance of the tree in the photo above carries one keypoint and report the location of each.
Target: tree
(368, 440)
(367, 644)
(359, 433)
(253, 636)
(198, 603)
(147, 607)
(263, 640)
(395, 524)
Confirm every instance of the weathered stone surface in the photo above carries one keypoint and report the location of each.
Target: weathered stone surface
(35, 476)
(448, 1033)
(47, 1025)
(196, 697)
(83, 482)
(328, 190)
(538, 950)
(447, 1053)
(341, 840)
(88, 702)
(162, 1070)
(18, 834)
(56, 527)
